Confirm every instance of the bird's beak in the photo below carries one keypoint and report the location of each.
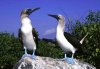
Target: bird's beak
(35, 9)
(55, 16)
(29, 11)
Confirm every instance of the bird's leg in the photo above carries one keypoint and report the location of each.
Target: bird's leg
(33, 55)
(25, 50)
(70, 60)
(73, 55)
(26, 54)
(64, 57)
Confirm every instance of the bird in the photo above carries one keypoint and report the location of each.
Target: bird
(27, 34)
(68, 43)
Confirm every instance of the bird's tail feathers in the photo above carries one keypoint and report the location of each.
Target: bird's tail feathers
(81, 41)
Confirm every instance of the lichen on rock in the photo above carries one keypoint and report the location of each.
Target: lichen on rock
(50, 63)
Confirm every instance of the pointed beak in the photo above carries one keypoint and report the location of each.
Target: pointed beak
(54, 16)
(29, 11)
(35, 9)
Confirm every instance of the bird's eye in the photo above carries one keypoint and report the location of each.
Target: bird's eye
(29, 9)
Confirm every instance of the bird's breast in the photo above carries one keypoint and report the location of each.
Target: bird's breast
(27, 37)
(28, 41)
(26, 29)
(27, 34)
(64, 44)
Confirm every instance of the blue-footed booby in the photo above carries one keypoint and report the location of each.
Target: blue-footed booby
(26, 32)
(69, 43)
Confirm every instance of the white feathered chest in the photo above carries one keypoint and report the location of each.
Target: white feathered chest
(27, 35)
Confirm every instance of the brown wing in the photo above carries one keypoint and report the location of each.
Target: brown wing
(35, 34)
(20, 36)
(75, 42)
(72, 39)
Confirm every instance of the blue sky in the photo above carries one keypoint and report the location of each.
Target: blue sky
(45, 25)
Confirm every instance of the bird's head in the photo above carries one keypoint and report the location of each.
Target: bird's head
(58, 17)
(28, 11)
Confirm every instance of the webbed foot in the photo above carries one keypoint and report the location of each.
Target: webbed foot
(69, 60)
(26, 55)
(33, 55)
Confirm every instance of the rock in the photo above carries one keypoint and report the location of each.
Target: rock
(50, 63)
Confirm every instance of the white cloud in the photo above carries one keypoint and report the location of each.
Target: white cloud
(49, 31)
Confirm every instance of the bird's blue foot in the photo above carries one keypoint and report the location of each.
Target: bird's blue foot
(33, 56)
(26, 55)
(69, 60)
